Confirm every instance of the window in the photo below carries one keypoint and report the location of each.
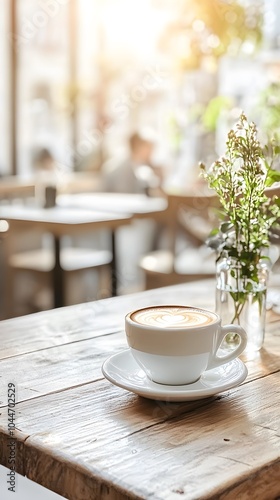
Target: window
(5, 124)
(87, 73)
(44, 86)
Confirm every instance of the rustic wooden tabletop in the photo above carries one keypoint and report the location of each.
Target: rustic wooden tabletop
(84, 438)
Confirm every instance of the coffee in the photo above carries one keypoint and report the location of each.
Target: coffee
(175, 344)
(173, 317)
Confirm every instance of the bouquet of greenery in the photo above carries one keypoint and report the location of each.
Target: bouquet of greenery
(247, 214)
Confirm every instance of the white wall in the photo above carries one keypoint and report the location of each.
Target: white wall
(25, 489)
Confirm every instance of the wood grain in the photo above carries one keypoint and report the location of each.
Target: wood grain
(86, 439)
(134, 432)
(53, 328)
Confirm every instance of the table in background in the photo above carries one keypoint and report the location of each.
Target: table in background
(84, 438)
(60, 222)
(150, 220)
(138, 205)
(14, 187)
(67, 182)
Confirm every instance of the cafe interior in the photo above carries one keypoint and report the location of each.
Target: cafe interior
(108, 109)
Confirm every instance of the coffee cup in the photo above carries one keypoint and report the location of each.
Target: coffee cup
(174, 345)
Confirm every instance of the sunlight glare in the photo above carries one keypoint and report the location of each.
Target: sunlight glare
(131, 26)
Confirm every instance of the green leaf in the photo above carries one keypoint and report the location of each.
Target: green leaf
(214, 232)
(225, 227)
(265, 257)
(272, 177)
(277, 201)
(249, 286)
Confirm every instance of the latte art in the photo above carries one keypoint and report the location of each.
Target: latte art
(173, 317)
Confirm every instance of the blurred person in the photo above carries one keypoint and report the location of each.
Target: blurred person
(43, 160)
(134, 174)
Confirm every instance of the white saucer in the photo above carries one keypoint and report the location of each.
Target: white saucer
(122, 370)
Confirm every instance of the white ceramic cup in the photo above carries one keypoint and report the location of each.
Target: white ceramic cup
(174, 345)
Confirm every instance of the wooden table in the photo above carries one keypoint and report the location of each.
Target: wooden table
(139, 206)
(60, 222)
(12, 187)
(86, 439)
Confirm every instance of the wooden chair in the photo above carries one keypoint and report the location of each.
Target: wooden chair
(192, 215)
(195, 215)
(40, 263)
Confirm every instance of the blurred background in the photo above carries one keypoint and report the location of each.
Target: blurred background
(81, 79)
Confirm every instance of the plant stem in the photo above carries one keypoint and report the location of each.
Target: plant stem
(237, 313)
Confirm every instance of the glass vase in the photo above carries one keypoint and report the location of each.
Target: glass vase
(241, 300)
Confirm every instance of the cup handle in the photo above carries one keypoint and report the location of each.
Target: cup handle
(218, 361)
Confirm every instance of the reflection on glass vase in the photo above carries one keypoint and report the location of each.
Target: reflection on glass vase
(242, 301)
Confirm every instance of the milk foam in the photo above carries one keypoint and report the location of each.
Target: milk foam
(173, 317)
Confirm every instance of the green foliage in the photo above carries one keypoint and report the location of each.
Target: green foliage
(240, 178)
(269, 110)
(213, 28)
(230, 21)
(213, 111)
